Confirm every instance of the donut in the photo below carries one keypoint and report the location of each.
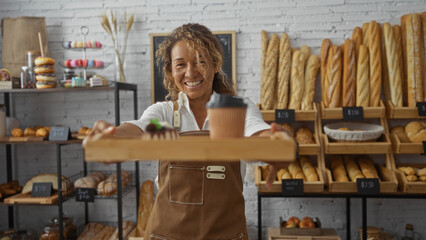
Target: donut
(44, 69)
(39, 61)
(5, 75)
(45, 84)
(46, 77)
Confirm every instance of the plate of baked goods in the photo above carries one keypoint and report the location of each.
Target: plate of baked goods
(29, 134)
(82, 133)
(9, 189)
(353, 131)
(305, 227)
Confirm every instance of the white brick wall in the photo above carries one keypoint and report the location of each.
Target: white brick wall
(306, 22)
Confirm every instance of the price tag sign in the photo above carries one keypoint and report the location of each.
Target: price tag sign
(43, 189)
(353, 113)
(85, 194)
(284, 116)
(59, 133)
(292, 187)
(368, 186)
(421, 107)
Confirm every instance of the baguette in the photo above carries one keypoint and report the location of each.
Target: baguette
(146, 203)
(325, 46)
(423, 17)
(308, 169)
(410, 97)
(352, 168)
(385, 74)
(393, 66)
(306, 53)
(268, 83)
(333, 77)
(365, 34)
(410, 61)
(296, 80)
(338, 169)
(284, 71)
(362, 78)
(295, 171)
(374, 46)
(349, 75)
(127, 228)
(311, 71)
(398, 44)
(368, 168)
(357, 40)
(418, 55)
(283, 174)
(264, 48)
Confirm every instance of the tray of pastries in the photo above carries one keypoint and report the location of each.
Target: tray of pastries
(411, 177)
(408, 138)
(305, 227)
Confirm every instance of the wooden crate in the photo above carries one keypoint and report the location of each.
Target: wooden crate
(336, 113)
(388, 183)
(132, 235)
(248, 148)
(379, 147)
(311, 149)
(276, 187)
(405, 185)
(300, 115)
(327, 234)
(402, 112)
(400, 147)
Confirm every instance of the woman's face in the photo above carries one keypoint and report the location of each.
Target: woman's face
(192, 76)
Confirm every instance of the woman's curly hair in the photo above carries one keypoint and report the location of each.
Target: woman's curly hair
(200, 38)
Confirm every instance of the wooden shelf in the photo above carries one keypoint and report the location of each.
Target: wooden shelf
(393, 112)
(190, 148)
(357, 147)
(399, 147)
(72, 141)
(300, 115)
(52, 90)
(337, 113)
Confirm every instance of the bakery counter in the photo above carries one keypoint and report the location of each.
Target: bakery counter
(202, 149)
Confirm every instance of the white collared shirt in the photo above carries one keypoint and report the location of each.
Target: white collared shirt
(163, 111)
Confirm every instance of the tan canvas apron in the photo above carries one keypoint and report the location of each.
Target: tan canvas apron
(198, 200)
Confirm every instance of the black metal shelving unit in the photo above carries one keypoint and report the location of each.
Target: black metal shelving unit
(118, 86)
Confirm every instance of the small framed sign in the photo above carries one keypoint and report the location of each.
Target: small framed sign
(421, 107)
(85, 194)
(368, 186)
(353, 113)
(42, 189)
(293, 187)
(59, 133)
(284, 116)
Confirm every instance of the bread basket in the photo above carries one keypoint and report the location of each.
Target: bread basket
(361, 132)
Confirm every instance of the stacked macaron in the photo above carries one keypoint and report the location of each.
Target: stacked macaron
(82, 44)
(45, 72)
(90, 63)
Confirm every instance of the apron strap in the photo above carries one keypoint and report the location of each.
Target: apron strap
(176, 116)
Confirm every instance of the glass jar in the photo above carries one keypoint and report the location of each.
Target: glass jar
(31, 56)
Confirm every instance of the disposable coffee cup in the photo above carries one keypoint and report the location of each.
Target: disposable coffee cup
(227, 116)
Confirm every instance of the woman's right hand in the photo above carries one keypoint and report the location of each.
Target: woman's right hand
(99, 129)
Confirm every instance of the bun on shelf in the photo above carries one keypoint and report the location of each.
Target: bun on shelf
(17, 132)
(29, 132)
(416, 131)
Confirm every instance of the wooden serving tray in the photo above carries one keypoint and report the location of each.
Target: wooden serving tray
(400, 147)
(402, 112)
(300, 115)
(336, 113)
(25, 198)
(190, 148)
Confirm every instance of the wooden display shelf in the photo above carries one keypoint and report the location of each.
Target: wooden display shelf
(357, 147)
(25, 198)
(190, 148)
(337, 113)
(310, 149)
(327, 234)
(406, 186)
(393, 112)
(276, 187)
(399, 147)
(300, 115)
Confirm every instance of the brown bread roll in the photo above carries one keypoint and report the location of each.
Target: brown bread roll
(422, 178)
(269, 80)
(357, 40)
(90, 181)
(304, 136)
(398, 45)
(284, 72)
(311, 71)
(29, 132)
(42, 132)
(421, 172)
(400, 133)
(363, 78)
(17, 132)
(146, 203)
(333, 77)
(108, 187)
(374, 47)
(296, 80)
(412, 178)
(325, 46)
(408, 170)
(349, 74)
(365, 34)
(338, 169)
(352, 168)
(82, 131)
(393, 66)
(283, 173)
(416, 132)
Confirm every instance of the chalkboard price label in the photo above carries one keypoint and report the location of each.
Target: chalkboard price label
(353, 113)
(421, 107)
(284, 116)
(292, 187)
(42, 189)
(368, 186)
(85, 194)
(59, 133)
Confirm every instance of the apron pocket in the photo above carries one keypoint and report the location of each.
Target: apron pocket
(239, 236)
(186, 184)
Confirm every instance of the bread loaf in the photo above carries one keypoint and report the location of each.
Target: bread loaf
(90, 181)
(365, 34)
(367, 168)
(269, 80)
(284, 72)
(296, 80)
(412, 83)
(393, 66)
(418, 55)
(423, 18)
(311, 71)
(308, 169)
(338, 169)
(288, 128)
(306, 53)
(422, 178)
(304, 136)
(283, 173)
(398, 45)
(385, 74)
(421, 172)
(66, 185)
(408, 170)
(295, 171)
(412, 178)
(333, 77)
(108, 187)
(416, 132)
(325, 46)
(263, 49)
(374, 46)
(362, 78)
(400, 133)
(349, 75)
(357, 40)
(352, 168)
(146, 203)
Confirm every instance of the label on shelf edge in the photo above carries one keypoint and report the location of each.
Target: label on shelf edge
(353, 113)
(292, 187)
(285, 116)
(85, 194)
(368, 186)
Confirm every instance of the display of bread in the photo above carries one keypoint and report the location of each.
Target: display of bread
(414, 174)
(101, 231)
(284, 63)
(270, 73)
(90, 181)
(9, 189)
(67, 187)
(311, 70)
(31, 131)
(346, 167)
(294, 222)
(146, 203)
(108, 187)
(299, 169)
(304, 136)
(416, 131)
